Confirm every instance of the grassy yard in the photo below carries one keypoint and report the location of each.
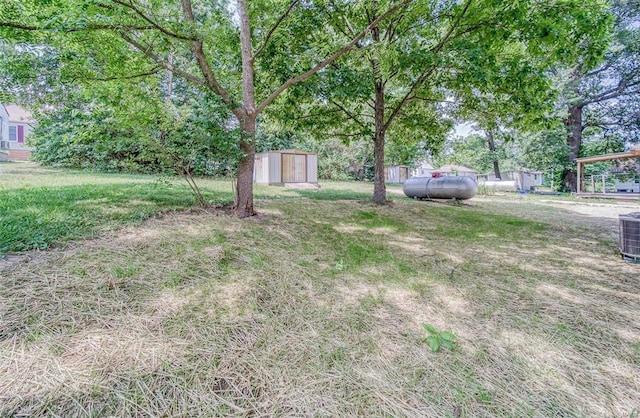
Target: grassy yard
(314, 308)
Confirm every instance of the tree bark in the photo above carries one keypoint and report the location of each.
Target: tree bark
(573, 124)
(492, 147)
(247, 117)
(244, 188)
(379, 187)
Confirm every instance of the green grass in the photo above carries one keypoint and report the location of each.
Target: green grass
(40, 207)
(315, 308)
(35, 218)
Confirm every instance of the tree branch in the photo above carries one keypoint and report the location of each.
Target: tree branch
(273, 29)
(155, 25)
(331, 58)
(417, 25)
(427, 73)
(154, 71)
(345, 135)
(203, 63)
(349, 115)
(158, 60)
(21, 26)
(316, 115)
(598, 70)
(620, 90)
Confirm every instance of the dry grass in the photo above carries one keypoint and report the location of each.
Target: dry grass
(316, 308)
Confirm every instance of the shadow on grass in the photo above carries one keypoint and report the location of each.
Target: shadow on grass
(545, 323)
(333, 195)
(36, 218)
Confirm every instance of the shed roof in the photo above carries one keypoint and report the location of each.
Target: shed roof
(288, 151)
(524, 170)
(450, 167)
(424, 165)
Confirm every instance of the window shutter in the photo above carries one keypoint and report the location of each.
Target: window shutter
(20, 133)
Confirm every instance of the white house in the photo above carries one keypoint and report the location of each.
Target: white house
(4, 133)
(20, 123)
(424, 169)
(455, 170)
(525, 179)
(629, 186)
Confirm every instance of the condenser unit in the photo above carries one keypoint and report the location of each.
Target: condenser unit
(630, 236)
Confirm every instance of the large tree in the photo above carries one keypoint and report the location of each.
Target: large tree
(240, 51)
(408, 66)
(504, 114)
(602, 101)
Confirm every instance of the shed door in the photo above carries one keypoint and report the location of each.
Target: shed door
(404, 174)
(301, 169)
(294, 168)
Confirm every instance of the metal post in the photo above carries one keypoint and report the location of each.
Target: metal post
(579, 179)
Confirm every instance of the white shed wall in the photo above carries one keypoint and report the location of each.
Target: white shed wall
(261, 168)
(4, 124)
(312, 168)
(275, 167)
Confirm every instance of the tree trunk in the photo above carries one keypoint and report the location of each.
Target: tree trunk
(379, 187)
(244, 188)
(492, 148)
(573, 123)
(247, 117)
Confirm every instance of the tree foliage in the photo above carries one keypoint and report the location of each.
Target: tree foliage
(132, 127)
(485, 55)
(600, 102)
(246, 53)
(407, 59)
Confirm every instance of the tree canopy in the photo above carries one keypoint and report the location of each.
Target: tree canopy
(372, 67)
(434, 61)
(600, 102)
(246, 53)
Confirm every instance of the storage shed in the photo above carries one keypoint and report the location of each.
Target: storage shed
(396, 173)
(285, 166)
(525, 179)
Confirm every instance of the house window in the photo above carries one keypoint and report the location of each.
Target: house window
(16, 133)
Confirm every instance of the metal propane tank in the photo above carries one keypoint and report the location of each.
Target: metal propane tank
(448, 187)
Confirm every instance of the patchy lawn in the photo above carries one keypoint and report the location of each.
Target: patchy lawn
(317, 307)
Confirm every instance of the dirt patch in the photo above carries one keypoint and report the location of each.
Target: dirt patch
(7, 261)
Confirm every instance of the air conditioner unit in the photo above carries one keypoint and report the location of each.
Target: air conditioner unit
(630, 236)
(4, 145)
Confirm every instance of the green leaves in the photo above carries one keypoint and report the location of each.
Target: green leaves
(437, 339)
